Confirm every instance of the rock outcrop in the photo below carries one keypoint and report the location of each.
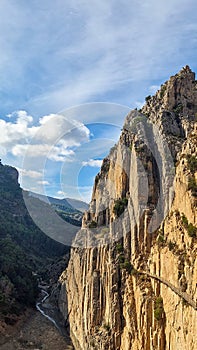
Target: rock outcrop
(131, 279)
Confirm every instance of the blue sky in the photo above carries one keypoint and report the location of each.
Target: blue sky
(56, 55)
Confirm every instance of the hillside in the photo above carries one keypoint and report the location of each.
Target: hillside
(131, 279)
(68, 209)
(24, 248)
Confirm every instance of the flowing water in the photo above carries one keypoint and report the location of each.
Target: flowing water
(52, 313)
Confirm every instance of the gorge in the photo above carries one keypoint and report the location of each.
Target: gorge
(131, 278)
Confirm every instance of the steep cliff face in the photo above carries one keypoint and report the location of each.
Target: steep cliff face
(131, 279)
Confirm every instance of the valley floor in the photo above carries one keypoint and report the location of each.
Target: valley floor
(35, 332)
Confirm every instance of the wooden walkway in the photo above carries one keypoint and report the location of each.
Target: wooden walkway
(176, 290)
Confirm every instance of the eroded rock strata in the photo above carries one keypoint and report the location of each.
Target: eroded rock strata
(131, 279)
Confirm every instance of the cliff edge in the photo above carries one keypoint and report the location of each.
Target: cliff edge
(131, 279)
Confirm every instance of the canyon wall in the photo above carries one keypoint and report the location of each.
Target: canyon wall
(131, 279)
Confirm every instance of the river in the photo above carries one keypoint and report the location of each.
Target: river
(52, 313)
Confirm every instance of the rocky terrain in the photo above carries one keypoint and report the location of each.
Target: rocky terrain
(34, 332)
(131, 279)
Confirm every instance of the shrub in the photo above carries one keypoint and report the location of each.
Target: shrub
(192, 163)
(119, 247)
(133, 272)
(184, 221)
(93, 224)
(125, 201)
(162, 91)
(119, 206)
(178, 108)
(192, 230)
(192, 186)
(158, 309)
(147, 98)
(160, 239)
(171, 245)
(126, 265)
(121, 258)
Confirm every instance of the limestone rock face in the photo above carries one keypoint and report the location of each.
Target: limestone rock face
(131, 279)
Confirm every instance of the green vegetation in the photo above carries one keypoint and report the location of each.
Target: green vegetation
(119, 248)
(126, 265)
(121, 258)
(184, 221)
(69, 218)
(120, 205)
(162, 91)
(93, 224)
(192, 163)
(192, 185)
(24, 248)
(191, 229)
(178, 109)
(17, 284)
(158, 308)
(160, 238)
(171, 245)
(148, 98)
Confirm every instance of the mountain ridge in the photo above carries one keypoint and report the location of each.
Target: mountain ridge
(70, 203)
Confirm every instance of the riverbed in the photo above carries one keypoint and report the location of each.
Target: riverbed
(38, 332)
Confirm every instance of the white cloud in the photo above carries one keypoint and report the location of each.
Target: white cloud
(43, 182)
(56, 153)
(118, 45)
(16, 132)
(77, 51)
(93, 163)
(30, 173)
(52, 138)
(61, 192)
(71, 52)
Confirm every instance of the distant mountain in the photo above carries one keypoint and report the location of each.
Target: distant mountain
(66, 204)
(77, 204)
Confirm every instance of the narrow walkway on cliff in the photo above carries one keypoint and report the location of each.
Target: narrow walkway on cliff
(183, 295)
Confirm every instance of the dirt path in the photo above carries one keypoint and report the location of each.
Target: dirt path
(36, 333)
